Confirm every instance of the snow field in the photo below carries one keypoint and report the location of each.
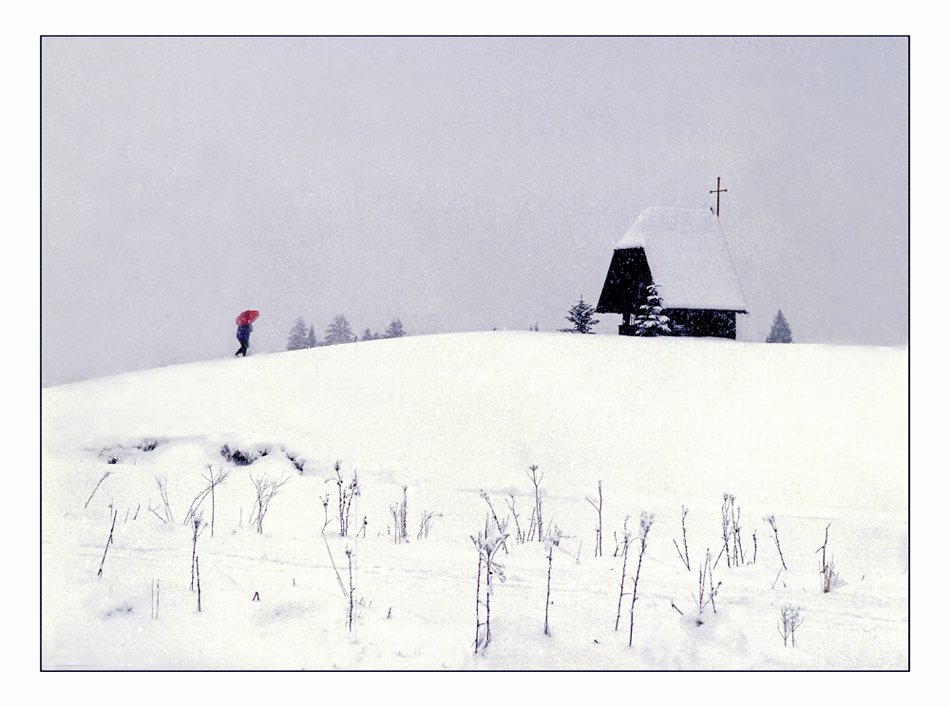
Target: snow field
(814, 435)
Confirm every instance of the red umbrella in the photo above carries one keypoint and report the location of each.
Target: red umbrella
(247, 317)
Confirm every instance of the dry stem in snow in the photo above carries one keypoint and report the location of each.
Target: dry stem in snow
(828, 575)
(771, 521)
(536, 480)
(684, 556)
(487, 546)
(790, 619)
(646, 522)
(599, 530)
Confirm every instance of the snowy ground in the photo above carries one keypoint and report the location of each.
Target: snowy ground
(814, 435)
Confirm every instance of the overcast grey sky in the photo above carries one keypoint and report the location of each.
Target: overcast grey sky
(457, 184)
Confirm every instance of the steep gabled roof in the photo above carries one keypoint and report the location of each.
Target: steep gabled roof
(688, 258)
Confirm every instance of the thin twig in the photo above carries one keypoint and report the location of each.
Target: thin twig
(97, 488)
(108, 543)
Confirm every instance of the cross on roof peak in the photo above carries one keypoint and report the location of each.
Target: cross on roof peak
(717, 191)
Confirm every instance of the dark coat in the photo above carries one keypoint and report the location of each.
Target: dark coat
(244, 332)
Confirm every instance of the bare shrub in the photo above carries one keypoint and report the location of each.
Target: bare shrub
(731, 531)
(400, 513)
(706, 597)
(536, 480)
(599, 530)
(213, 479)
(519, 536)
(828, 575)
(684, 555)
(346, 491)
(425, 524)
(265, 489)
(487, 545)
(789, 621)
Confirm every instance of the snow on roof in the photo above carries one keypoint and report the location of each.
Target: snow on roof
(688, 258)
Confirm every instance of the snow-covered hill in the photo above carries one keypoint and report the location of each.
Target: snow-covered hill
(810, 434)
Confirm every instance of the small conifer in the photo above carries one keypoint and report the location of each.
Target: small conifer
(781, 333)
(581, 315)
(650, 320)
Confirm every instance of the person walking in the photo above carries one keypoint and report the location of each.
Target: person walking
(244, 338)
(244, 330)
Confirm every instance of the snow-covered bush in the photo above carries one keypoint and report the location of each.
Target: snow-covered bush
(242, 457)
(502, 527)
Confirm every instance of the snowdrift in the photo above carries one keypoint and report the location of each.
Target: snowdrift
(814, 435)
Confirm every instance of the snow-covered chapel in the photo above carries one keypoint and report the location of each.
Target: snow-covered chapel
(683, 253)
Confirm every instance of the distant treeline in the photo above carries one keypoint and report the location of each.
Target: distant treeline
(338, 332)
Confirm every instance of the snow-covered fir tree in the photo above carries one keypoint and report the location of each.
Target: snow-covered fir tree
(781, 333)
(311, 338)
(394, 330)
(650, 320)
(581, 315)
(298, 336)
(339, 332)
(369, 335)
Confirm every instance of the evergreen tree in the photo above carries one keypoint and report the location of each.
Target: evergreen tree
(311, 338)
(781, 333)
(298, 336)
(394, 330)
(369, 336)
(581, 315)
(339, 332)
(650, 320)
